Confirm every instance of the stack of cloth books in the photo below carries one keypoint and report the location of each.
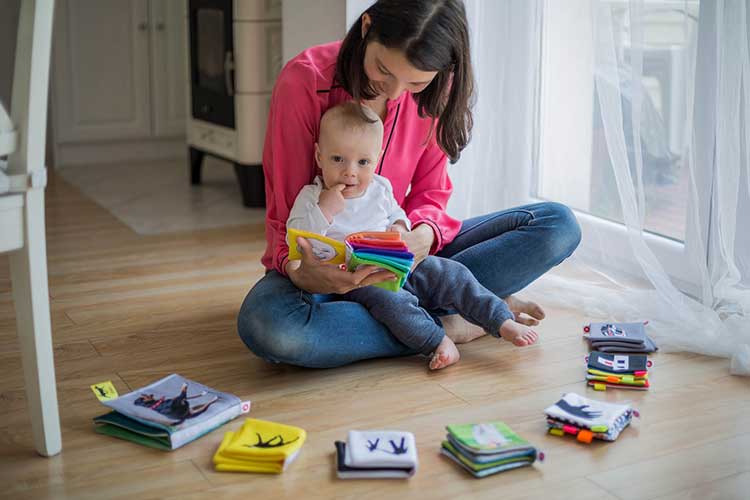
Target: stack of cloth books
(626, 371)
(259, 446)
(588, 419)
(487, 448)
(376, 454)
(619, 337)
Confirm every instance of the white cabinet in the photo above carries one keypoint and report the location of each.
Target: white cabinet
(119, 77)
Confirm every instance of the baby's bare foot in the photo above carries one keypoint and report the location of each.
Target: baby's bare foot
(459, 330)
(446, 354)
(518, 334)
(526, 312)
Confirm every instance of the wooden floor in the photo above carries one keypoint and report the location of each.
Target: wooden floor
(132, 309)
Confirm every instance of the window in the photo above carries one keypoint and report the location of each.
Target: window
(573, 160)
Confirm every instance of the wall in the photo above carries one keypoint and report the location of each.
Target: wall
(8, 29)
(306, 23)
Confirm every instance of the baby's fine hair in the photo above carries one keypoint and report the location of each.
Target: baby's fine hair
(352, 116)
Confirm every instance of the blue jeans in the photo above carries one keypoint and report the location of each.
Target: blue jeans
(505, 251)
(436, 283)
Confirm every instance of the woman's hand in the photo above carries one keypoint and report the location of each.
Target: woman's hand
(312, 275)
(419, 240)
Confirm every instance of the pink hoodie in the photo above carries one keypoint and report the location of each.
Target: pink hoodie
(303, 92)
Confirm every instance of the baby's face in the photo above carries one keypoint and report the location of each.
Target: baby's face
(348, 157)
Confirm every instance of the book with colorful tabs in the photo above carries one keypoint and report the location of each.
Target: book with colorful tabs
(625, 371)
(588, 419)
(619, 337)
(168, 413)
(383, 249)
(487, 448)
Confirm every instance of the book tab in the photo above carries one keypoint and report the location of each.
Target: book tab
(105, 391)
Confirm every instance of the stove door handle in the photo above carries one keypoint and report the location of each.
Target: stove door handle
(228, 72)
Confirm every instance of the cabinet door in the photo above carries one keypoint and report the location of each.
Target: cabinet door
(169, 74)
(101, 74)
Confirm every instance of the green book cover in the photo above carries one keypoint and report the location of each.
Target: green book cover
(487, 438)
(394, 286)
(525, 459)
(119, 426)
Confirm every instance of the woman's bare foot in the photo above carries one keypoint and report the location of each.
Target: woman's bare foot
(518, 334)
(459, 330)
(446, 354)
(527, 313)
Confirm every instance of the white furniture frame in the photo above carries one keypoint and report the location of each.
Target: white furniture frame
(22, 138)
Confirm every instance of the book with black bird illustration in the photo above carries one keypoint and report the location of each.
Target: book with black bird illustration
(169, 413)
(259, 446)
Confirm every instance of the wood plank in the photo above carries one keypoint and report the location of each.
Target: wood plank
(734, 487)
(691, 468)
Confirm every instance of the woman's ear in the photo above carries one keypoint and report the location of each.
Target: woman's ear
(366, 23)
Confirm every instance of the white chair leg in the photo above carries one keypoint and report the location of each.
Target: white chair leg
(28, 268)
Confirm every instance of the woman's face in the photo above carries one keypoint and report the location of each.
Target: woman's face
(388, 70)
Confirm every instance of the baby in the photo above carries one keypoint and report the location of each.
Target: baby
(349, 197)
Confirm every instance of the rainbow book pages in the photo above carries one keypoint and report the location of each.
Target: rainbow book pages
(384, 249)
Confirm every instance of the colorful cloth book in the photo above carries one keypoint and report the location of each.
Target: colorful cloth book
(487, 448)
(344, 471)
(626, 371)
(168, 413)
(619, 337)
(587, 418)
(384, 249)
(259, 446)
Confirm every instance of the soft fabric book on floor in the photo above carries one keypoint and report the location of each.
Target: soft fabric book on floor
(587, 419)
(624, 371)
(376, 454)
(168, 413)
(259, 446)
(487, 448)
(619, 337)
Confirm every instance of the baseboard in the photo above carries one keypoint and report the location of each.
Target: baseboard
(120, 151)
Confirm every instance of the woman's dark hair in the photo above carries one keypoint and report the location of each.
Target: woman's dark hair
(433, 35)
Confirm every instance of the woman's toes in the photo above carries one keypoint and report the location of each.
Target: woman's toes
(526, 320)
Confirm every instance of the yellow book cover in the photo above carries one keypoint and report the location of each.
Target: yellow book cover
(261, 440)
(222, 463)
(324, 248)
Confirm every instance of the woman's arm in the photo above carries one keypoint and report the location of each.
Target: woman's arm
(426, 203)
(288, 152)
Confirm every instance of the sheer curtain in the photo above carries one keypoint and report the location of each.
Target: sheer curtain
(639, 147)
(494, 171)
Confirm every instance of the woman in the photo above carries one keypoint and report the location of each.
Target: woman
(409, 61)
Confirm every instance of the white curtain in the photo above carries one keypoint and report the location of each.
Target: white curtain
(494, 171)
(707, 147)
